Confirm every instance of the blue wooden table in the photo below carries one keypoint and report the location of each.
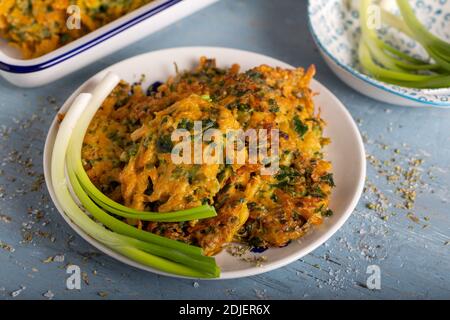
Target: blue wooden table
(401, 225)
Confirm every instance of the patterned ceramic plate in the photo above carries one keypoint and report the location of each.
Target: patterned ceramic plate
(334, 25)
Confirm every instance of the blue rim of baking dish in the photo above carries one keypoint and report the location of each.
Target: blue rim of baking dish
(358, 75)
(69, 54)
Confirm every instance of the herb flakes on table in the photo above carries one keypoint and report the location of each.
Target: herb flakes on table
(244, 254)
(7, 247)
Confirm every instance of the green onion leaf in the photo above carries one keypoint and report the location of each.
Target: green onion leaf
(124, 245)
(144, 247)
(388, 64)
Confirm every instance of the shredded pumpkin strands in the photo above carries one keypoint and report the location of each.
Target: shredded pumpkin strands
(38, 27)
(126, 154)
(149, 249)
(116, 149)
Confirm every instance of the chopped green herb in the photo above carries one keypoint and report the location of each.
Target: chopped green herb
(255, 242)
(273, 106)
(286, 173)
(208, 123)
(243, 107)
(299, 127)
(185, 124)
(274, 197)
(328, 179)
(327, 213)
(164, 144)
(206, 97)
(316, 192)
(254, 75)
(133, 150)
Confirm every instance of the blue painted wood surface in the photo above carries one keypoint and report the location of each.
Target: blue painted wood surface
(409, 245)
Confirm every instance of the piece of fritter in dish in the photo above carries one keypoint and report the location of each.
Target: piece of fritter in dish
(127, 154)
(37, 27)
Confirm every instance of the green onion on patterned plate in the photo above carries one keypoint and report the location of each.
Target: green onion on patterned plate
(388, 64)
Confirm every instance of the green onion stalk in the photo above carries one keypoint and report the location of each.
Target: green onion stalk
(151, 250)
(108, 204)
(388, 64)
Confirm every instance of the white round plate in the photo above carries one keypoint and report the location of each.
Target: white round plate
(346, 151)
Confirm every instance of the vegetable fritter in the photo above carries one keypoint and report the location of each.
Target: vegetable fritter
(37, 27)
(127, 154)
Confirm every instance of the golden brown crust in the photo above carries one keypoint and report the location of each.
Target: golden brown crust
(37, 27)
(263, 211)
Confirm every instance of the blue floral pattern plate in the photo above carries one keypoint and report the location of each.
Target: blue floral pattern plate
(334, 25)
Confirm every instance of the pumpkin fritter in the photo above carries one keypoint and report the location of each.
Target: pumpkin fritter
(127, 155)
(37, 27)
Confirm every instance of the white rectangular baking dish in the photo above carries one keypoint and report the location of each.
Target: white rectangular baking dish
(95, 45)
